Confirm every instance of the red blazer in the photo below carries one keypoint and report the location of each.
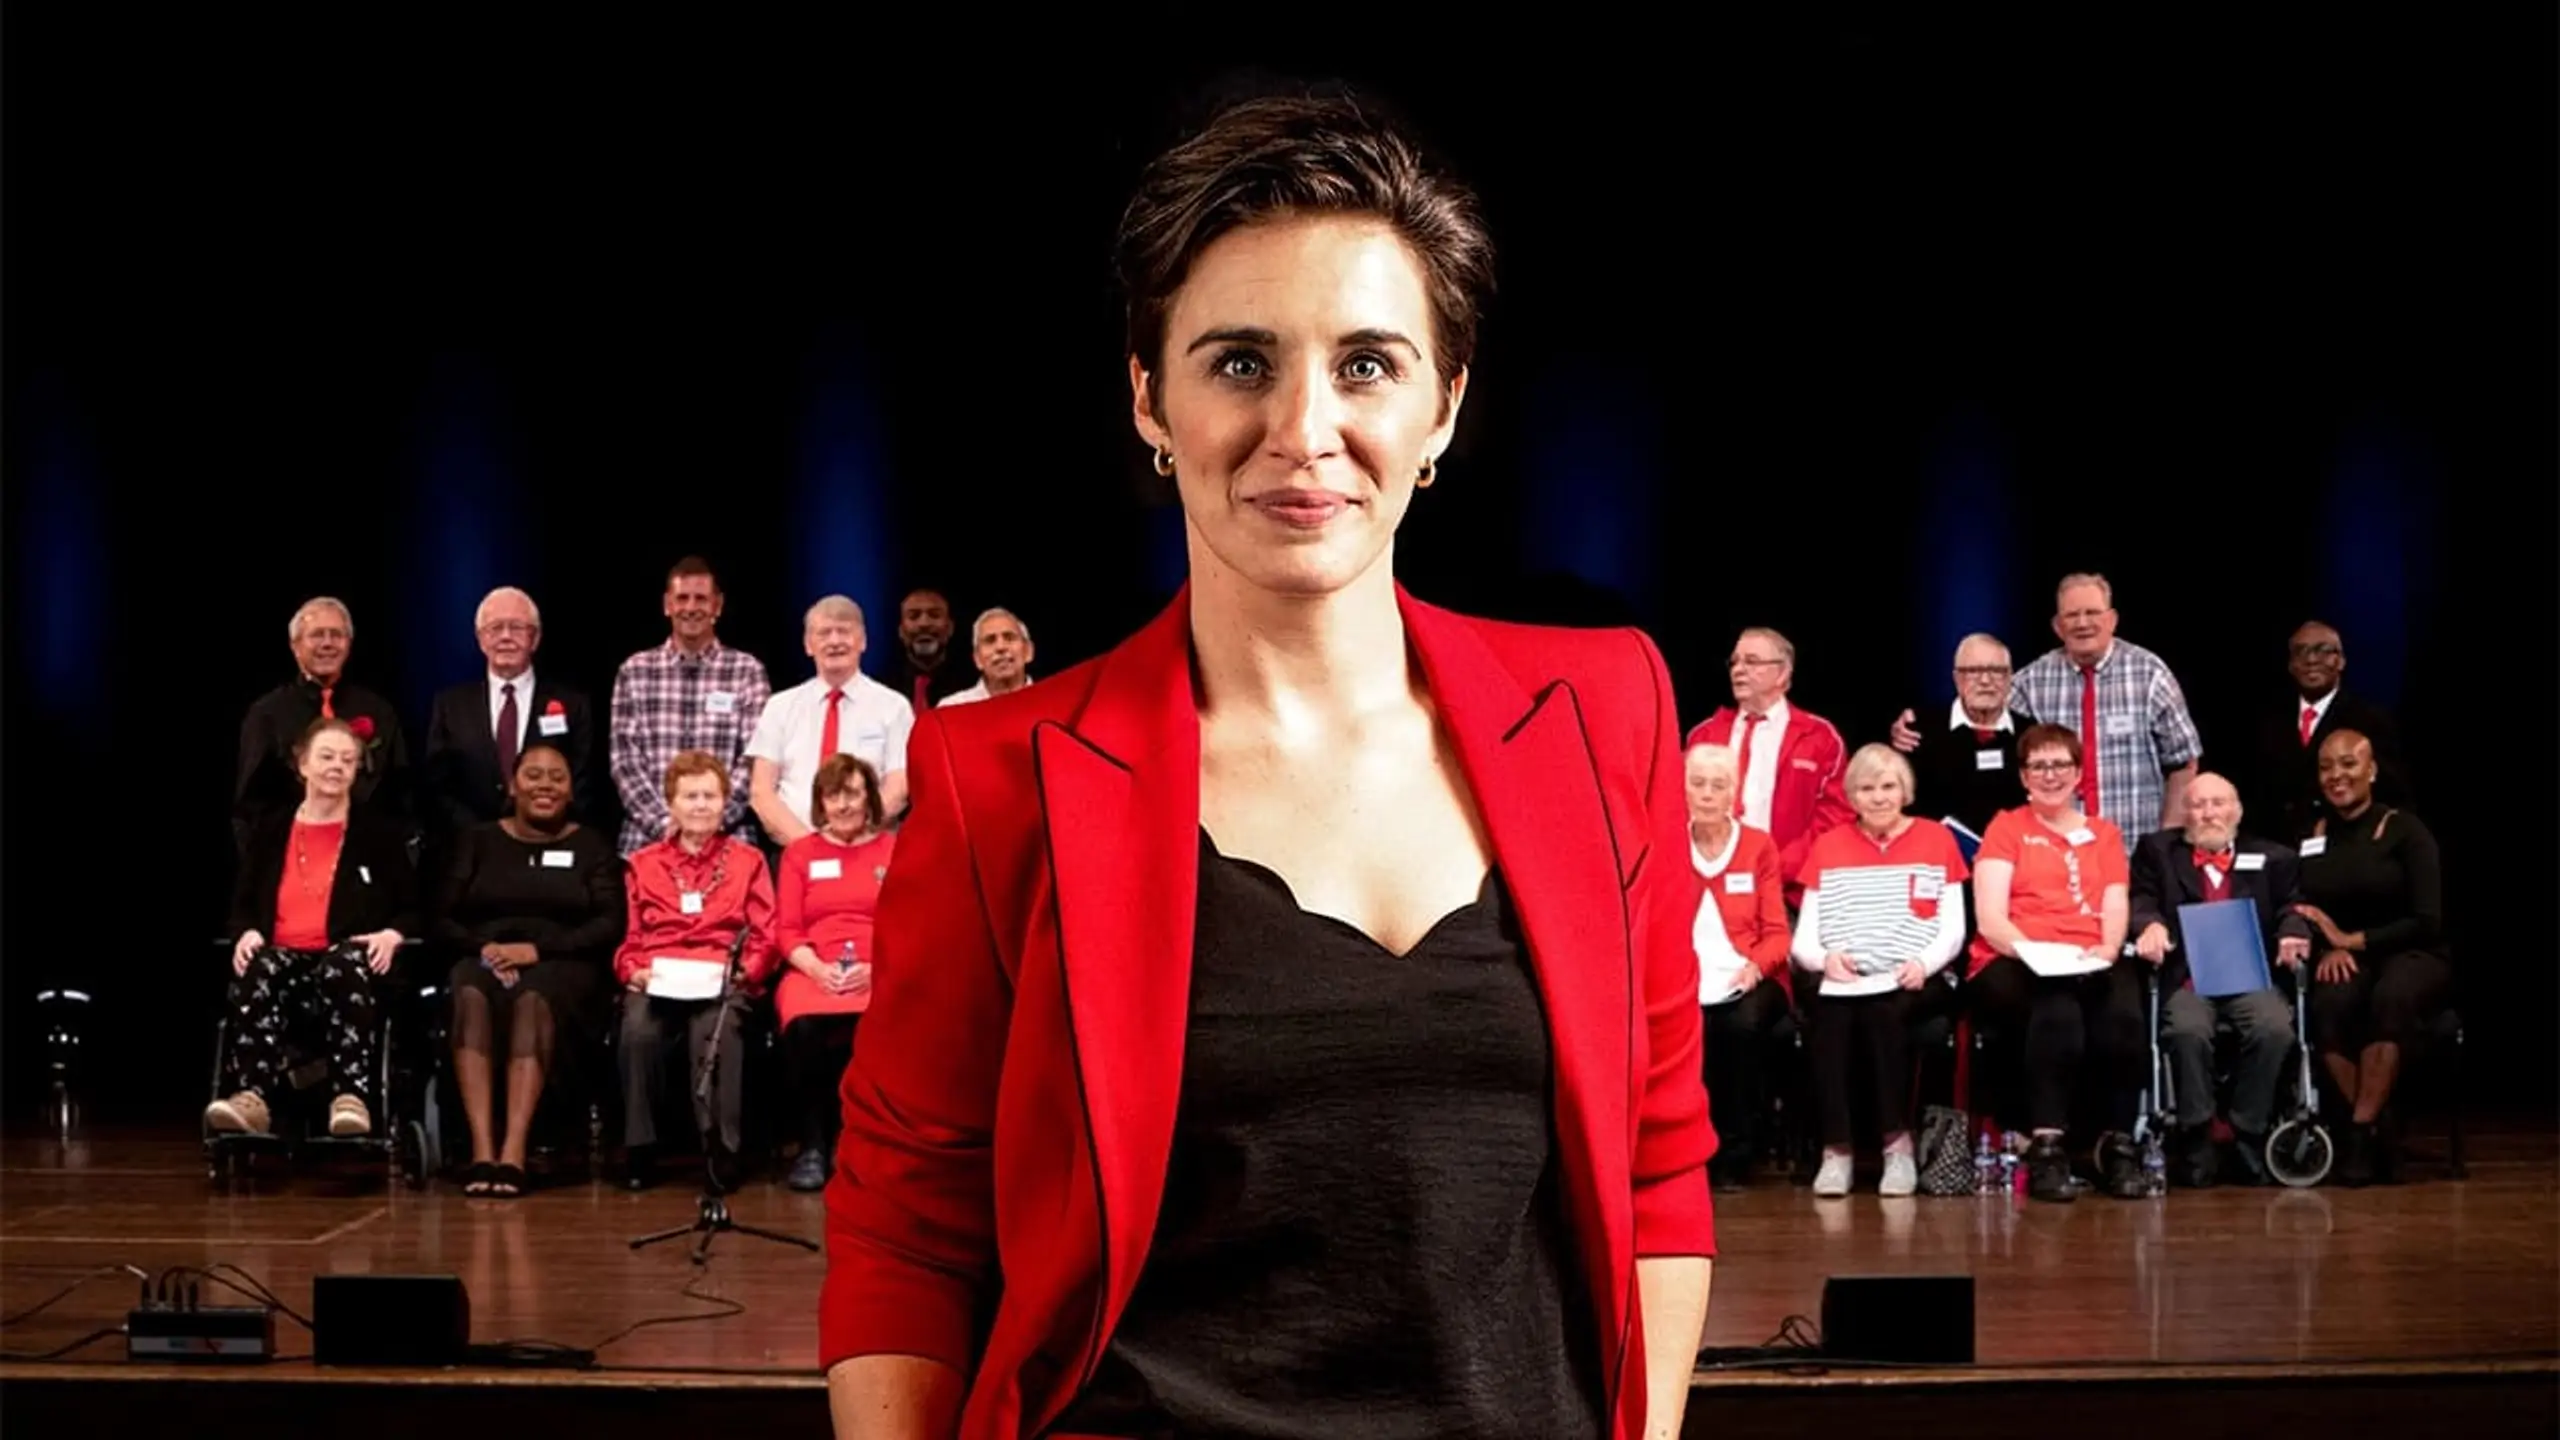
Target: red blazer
(1010, 1108)
(1809, 797)
(1756, 922)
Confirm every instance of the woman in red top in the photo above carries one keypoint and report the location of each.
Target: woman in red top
(2054, 882)
(1740, 934)
(830, 885)
(698, 895)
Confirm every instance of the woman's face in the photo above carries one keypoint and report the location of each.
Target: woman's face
(1710, 794)
(542, 787)
(2050, 775)
(329, 765)
(849, 807)
(697, 804)
(1878, 798)
(1299, 399)
(2346, 773)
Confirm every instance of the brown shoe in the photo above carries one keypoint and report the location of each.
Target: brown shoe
(241, 1114)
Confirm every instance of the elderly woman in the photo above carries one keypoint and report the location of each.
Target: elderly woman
(531, 906)
(1740, 934)
(2052, 889)
(323, 898)
(693, 898)
(2373, 888)
(1883, 914)
(831, 880)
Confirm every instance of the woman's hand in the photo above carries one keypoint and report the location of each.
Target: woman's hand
(2336, 967)
(804, 958)
(1909, 975)
(2338, 939)
(1840, 968)
(249, 943)
(379, 947)
(639, 981)
(512, 956)
(1745, 978)
(857, 981)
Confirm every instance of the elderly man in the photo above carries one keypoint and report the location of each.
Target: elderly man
(1791, 760)
(1968, 771)
(322, 633)
(1001, 645)
(476, 729)
(690, 693)
(839, 711)
(2205, 863)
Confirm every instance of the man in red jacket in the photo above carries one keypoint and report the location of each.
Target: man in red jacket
(1791, 760)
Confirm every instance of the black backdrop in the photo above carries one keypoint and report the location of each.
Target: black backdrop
(1867, 329)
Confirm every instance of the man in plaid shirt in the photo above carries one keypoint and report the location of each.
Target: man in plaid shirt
(692, 693)
(2145, 746)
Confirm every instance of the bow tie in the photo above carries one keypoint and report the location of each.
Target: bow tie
(2218, 859)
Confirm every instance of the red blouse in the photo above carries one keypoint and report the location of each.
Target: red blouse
(310, 873)
(728, 886)
(830, 892)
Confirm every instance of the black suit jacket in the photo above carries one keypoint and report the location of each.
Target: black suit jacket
(2287, 798)
(463, 785)
(376, 886)
(2165, 877)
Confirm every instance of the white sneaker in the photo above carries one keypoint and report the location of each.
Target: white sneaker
(1901, 1174)
(1832, 1180)
(241, 1114)
(348, 1117)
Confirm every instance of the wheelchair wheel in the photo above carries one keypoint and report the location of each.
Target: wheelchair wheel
(2299, 1153)
(414, 1152)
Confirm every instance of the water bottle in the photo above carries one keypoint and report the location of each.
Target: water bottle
(1986, 1166)
(2013, 1176)
(844, 960)
(2155, 1165)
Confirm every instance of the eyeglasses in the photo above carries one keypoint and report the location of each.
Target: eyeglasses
(2316, 651)
(1981, 672)
(2050, 767)
(1755, 662)
(508, 627)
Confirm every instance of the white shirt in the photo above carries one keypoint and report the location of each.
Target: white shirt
(1760, 781)
(1718, 961)
(2318, 709)
(524, 703)
(873, 723)
(1958, 720)
(972, 695)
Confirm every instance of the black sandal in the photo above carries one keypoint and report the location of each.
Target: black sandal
(478, 1178)
(506, 1182)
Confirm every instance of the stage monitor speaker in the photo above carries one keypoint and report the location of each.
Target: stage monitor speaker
(389, 1320)
(1898, 1319)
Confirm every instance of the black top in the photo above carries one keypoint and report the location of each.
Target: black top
(2388, 885)
(499, 889)
(1362, 1232)
(1948, 771)
(266, 782)
(2165, 877)
(2285, 790)
(374, 888)
(460, 785)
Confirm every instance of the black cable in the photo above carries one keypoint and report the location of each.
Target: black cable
(57, 1353)
(58, 1296)
(260, 1293)
(538, 1353)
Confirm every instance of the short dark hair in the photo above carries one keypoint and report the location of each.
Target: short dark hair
(833, 772)
(1303, 153)
(692, 565)
(2047, 737)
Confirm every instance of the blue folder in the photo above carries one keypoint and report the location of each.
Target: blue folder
(1967, 843)
(2226, 949)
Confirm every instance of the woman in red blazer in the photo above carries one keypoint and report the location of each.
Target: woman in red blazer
(1740, 936)
(1286, 1025)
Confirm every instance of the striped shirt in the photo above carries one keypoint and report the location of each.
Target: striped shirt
(666, 702)
(1884, 905)
(2144, 730)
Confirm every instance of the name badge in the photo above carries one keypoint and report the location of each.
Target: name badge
(553, 724)
(826, 869)
(720, 702)
(2315, 845)
(690, 902)
(1988, 759)
(2118, 725)
(2248, 862)
(2082, 836)
(559, 860)
(1928, 885)
(364, 874)
(1737, 882)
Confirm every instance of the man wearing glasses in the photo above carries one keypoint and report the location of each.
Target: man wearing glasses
(1968, 770)
(1790, 760)
(479, 727)
(2288, 781)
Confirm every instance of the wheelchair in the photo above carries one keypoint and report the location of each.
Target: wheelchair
(299, 1109)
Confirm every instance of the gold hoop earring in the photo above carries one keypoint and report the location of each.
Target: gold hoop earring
(1164, 462)
(1429, 472)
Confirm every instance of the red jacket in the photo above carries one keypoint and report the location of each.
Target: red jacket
(1754, 920)
(1809, 797)
(1010, 1110)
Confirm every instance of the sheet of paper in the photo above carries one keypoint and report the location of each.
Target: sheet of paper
(1863, 985)
(1732, 992)
(672, 977)
(2054, 961)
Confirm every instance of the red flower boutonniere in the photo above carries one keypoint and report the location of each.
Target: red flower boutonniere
(363, 726)
(555, 708)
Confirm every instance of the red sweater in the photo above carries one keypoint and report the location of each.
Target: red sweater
(825, 911)
(734, 890)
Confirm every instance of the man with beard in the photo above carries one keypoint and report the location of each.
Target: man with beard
(2207, 862)
(2287, 785)
(691, 693)
(927, 673)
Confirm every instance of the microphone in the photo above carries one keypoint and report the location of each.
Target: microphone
(737, 950)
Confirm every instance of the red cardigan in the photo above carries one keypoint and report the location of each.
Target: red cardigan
(1808, 797)
(1010, 1108)
(735, 888)
(1756, 922)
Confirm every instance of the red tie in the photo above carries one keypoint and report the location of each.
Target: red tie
(2089, 739)
(2310, 722)
(1742, 764)
(827, 731)
(507, 728)
(327, 710)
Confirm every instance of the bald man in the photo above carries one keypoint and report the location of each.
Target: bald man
(2286, 788)
(2204, 863)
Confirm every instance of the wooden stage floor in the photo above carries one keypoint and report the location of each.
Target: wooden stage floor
(2430, 1278)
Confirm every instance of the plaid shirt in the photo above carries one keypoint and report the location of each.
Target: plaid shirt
(2144, 730)
(666, 702)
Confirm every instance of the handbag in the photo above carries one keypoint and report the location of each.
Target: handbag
(1946, 1162)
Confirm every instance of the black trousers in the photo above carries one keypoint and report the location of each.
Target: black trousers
(326, 994)
(2077, 1043)
(2388, 1001)
(1737, 1067)
(820, 1046)
(1873, 1030)
(648, 1025)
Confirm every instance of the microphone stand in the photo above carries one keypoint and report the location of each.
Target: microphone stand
(712, 1215)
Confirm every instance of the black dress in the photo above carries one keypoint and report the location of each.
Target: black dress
(1362, 1233)
(2379, 873)
(563, 897)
